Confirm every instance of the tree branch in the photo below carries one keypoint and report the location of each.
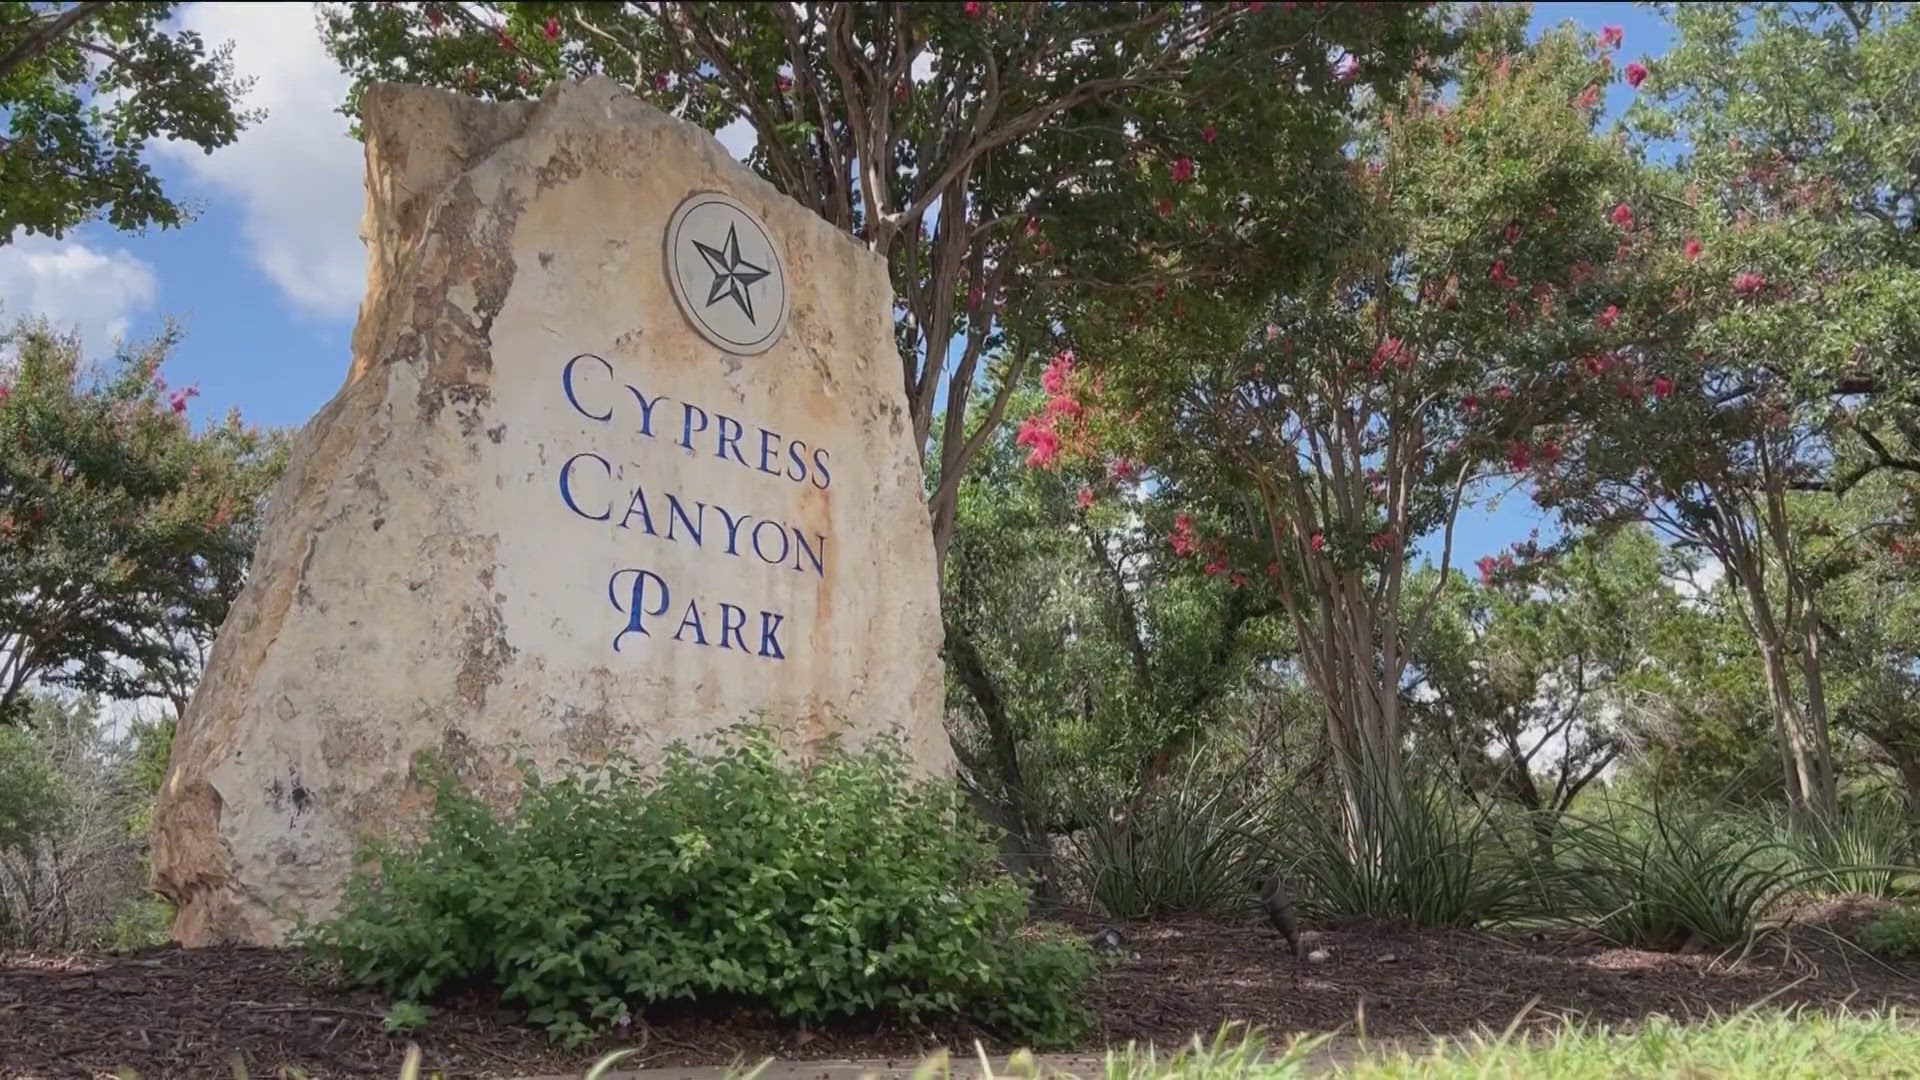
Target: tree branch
(40, 40)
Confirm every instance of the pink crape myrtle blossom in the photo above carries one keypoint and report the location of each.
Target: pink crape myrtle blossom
(1183, 539)
(1037, 434)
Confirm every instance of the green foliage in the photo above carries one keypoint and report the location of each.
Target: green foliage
(124, 533)
(1665, 876)
(1317, 418)
(72, 864)
(30, 793)
(1868, 849)
(83, 88)
(1187, 848)
(1527, 675)
(145, 922)
(1431, 860)
(1083, 662)
(406, 1016)
(1895, 935)
(845, 889)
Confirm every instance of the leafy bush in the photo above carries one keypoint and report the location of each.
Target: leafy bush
(840, 890)
(1894, 935)
(72, 851)
(1434, 861)
(1184, 850)
(1663, 877)
(31, 798)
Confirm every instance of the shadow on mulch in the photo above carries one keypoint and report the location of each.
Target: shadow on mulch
(184, 1013)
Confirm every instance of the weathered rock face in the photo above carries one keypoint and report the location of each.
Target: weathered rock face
(556, 511)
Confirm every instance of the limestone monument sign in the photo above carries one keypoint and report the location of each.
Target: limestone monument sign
(622, 458)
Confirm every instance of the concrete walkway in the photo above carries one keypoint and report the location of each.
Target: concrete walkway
(1326, 1058)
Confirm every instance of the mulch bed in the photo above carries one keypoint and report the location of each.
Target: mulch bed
(185, 1013)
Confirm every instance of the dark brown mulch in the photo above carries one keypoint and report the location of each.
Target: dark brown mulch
(1192, 975)
(180, 1013)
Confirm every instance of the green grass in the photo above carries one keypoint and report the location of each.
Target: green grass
(1811, 1045)
(1783, 1044)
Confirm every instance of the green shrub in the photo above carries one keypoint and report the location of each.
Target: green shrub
(1433, 860)
(1662, 877)
(840, 890)
(1894, 935)
(32, 801)
(1186, 849)
(1867, 850)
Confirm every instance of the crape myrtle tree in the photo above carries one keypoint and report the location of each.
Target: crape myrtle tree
(124, 532)
(1080, 653)
(1865, 560)
(83, 88)
(1759, 339)
(1315, 415)
(949, 137)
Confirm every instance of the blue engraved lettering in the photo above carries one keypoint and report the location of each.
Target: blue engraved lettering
(777, 531)
(821, 478)
(817, 558)
(691, 618)
(566, 384)
(639, 506)
(688, 409)
(769, 635)
(636, 610)
(677, 512)
(733, 527)
(769, 448)
(566, 486)
(646, 409)
(730, 441)
(730, 628)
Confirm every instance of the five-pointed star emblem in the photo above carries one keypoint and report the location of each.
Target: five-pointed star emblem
(731, 273)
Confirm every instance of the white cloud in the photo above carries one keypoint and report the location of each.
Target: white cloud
(738, 137)
(297, 175)
(1697, 588)
(76, 286)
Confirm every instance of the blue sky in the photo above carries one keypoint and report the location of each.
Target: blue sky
(266, 282)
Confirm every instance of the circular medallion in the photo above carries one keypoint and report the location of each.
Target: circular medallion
(726, 273)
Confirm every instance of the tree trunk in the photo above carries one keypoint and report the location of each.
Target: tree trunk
(1816, 713)
(1806, 754)
(1025, 847)
(1902, 751)
(1800, 771)
(1807, 724)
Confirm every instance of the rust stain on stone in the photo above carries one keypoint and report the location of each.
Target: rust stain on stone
(484, 653)
(561, 168)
